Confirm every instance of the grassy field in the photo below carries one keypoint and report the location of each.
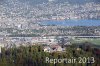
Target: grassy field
(80, 40)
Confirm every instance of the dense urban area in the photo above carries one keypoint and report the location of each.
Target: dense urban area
(18, 12)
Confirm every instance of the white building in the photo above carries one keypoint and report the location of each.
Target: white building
(53, 48)
(47, 49)
(1, 46)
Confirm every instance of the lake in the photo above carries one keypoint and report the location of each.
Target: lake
(72, 22)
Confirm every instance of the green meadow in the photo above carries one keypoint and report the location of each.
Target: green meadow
(92, 40)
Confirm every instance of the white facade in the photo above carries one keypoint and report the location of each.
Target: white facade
(0, 49)
(1, 45)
